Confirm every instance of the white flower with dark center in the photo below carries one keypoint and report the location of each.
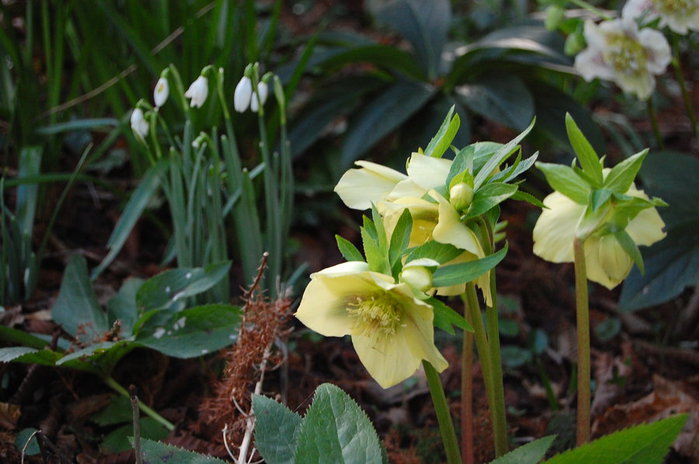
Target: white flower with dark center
(680, 16)
(617, 51)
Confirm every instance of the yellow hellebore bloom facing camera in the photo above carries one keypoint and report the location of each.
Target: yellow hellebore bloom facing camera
(391, 328)
(606, 261)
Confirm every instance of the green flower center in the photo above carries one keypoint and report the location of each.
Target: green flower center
(625, 55)
(676, 7)
(374, 314)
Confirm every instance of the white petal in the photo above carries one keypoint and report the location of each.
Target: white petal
(242, 94)
(161, 92)
(646, 228)
(389, 360)
(590, 64)
(428, 172)
(262, 92)
(359, 188)
(635, 8)
(659, 55)
(451, 230)
(606, 261)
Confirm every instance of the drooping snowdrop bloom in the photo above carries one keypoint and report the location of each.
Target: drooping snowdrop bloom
(139, 125)
(161, 92)
(198, 92)
(392, 330)
(262, 91)
(617, 51)
(243, 94)
(606, 261)
(680, 16)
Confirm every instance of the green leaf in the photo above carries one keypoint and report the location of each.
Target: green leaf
(76, 309)
(456, 274)
(168, 287)
(642, 444)
(444, 136)
(276, 430)
(502, 98)
(423, 24)
(160, 453)
(565, 180)
(531, 453)
(194, 331)
(400, 238)
(599, 197)
(150, 183)
(21, 439)
(21, 337)
(446, 318)
(630, 248)
(499, 157)
(384, 56)
(589, 161)
(118, 440)
(529, 198)
(335, 429)
(385, 113)
(488, 196)
(440, 252)
(118, 411)
(622, 175)
(348, 250)
(122, 306)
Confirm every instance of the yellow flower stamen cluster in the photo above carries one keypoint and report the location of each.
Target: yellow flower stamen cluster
(374, 314)
(626, 55)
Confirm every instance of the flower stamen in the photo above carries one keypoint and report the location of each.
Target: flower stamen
(375, 313)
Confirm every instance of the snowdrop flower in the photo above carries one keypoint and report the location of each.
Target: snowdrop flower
(606, 261)
(161, 92)
(198, 92)
(392, 330)
(679, 15)
(139, 125)
(243, 94)
(617, 51)
(262, 91)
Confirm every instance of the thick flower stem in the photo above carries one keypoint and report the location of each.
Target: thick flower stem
(583, 328)
(467, 396)
(677, 66)
(499, 417)
(116, 386)
(446, 427)
(653, 116)
(484, 355)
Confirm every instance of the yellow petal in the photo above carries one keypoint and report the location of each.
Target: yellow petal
(451, 230)
(406, 189)
(554, 231)
(428, 172)
(359, 188)
(389, 360)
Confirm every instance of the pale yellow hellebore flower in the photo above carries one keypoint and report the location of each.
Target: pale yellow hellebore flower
(391, 329)
(606, 261)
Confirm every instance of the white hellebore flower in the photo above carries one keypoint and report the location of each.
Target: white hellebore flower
(243, 94)
(139, 125)
(161, 92)
(198, 91)
(617, 51)
(392, 330)
(262, 91)
(679, 15)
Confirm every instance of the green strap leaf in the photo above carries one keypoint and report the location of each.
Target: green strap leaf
(445, 135)
(643, 444)
(589, 161)
(630, 248)
(400, 238)
(446, 318)
(440, 252)
(565, 180)
(348, 250)
(501, 155)
(621, 176)
(490, 195)
(456, 274)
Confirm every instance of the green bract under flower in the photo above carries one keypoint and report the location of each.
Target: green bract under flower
(391, 328)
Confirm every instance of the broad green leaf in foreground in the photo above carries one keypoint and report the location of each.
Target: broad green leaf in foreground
(336, 430)
(160, 453)
(276, 430)
(642, 444)
(531, 453)
(76, 308)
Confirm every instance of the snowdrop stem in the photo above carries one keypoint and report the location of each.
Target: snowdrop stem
(677, 66)
(582, 312)
(179, 90)
(441, 407)
(116, 386)
(592, 9)
(653, 116)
